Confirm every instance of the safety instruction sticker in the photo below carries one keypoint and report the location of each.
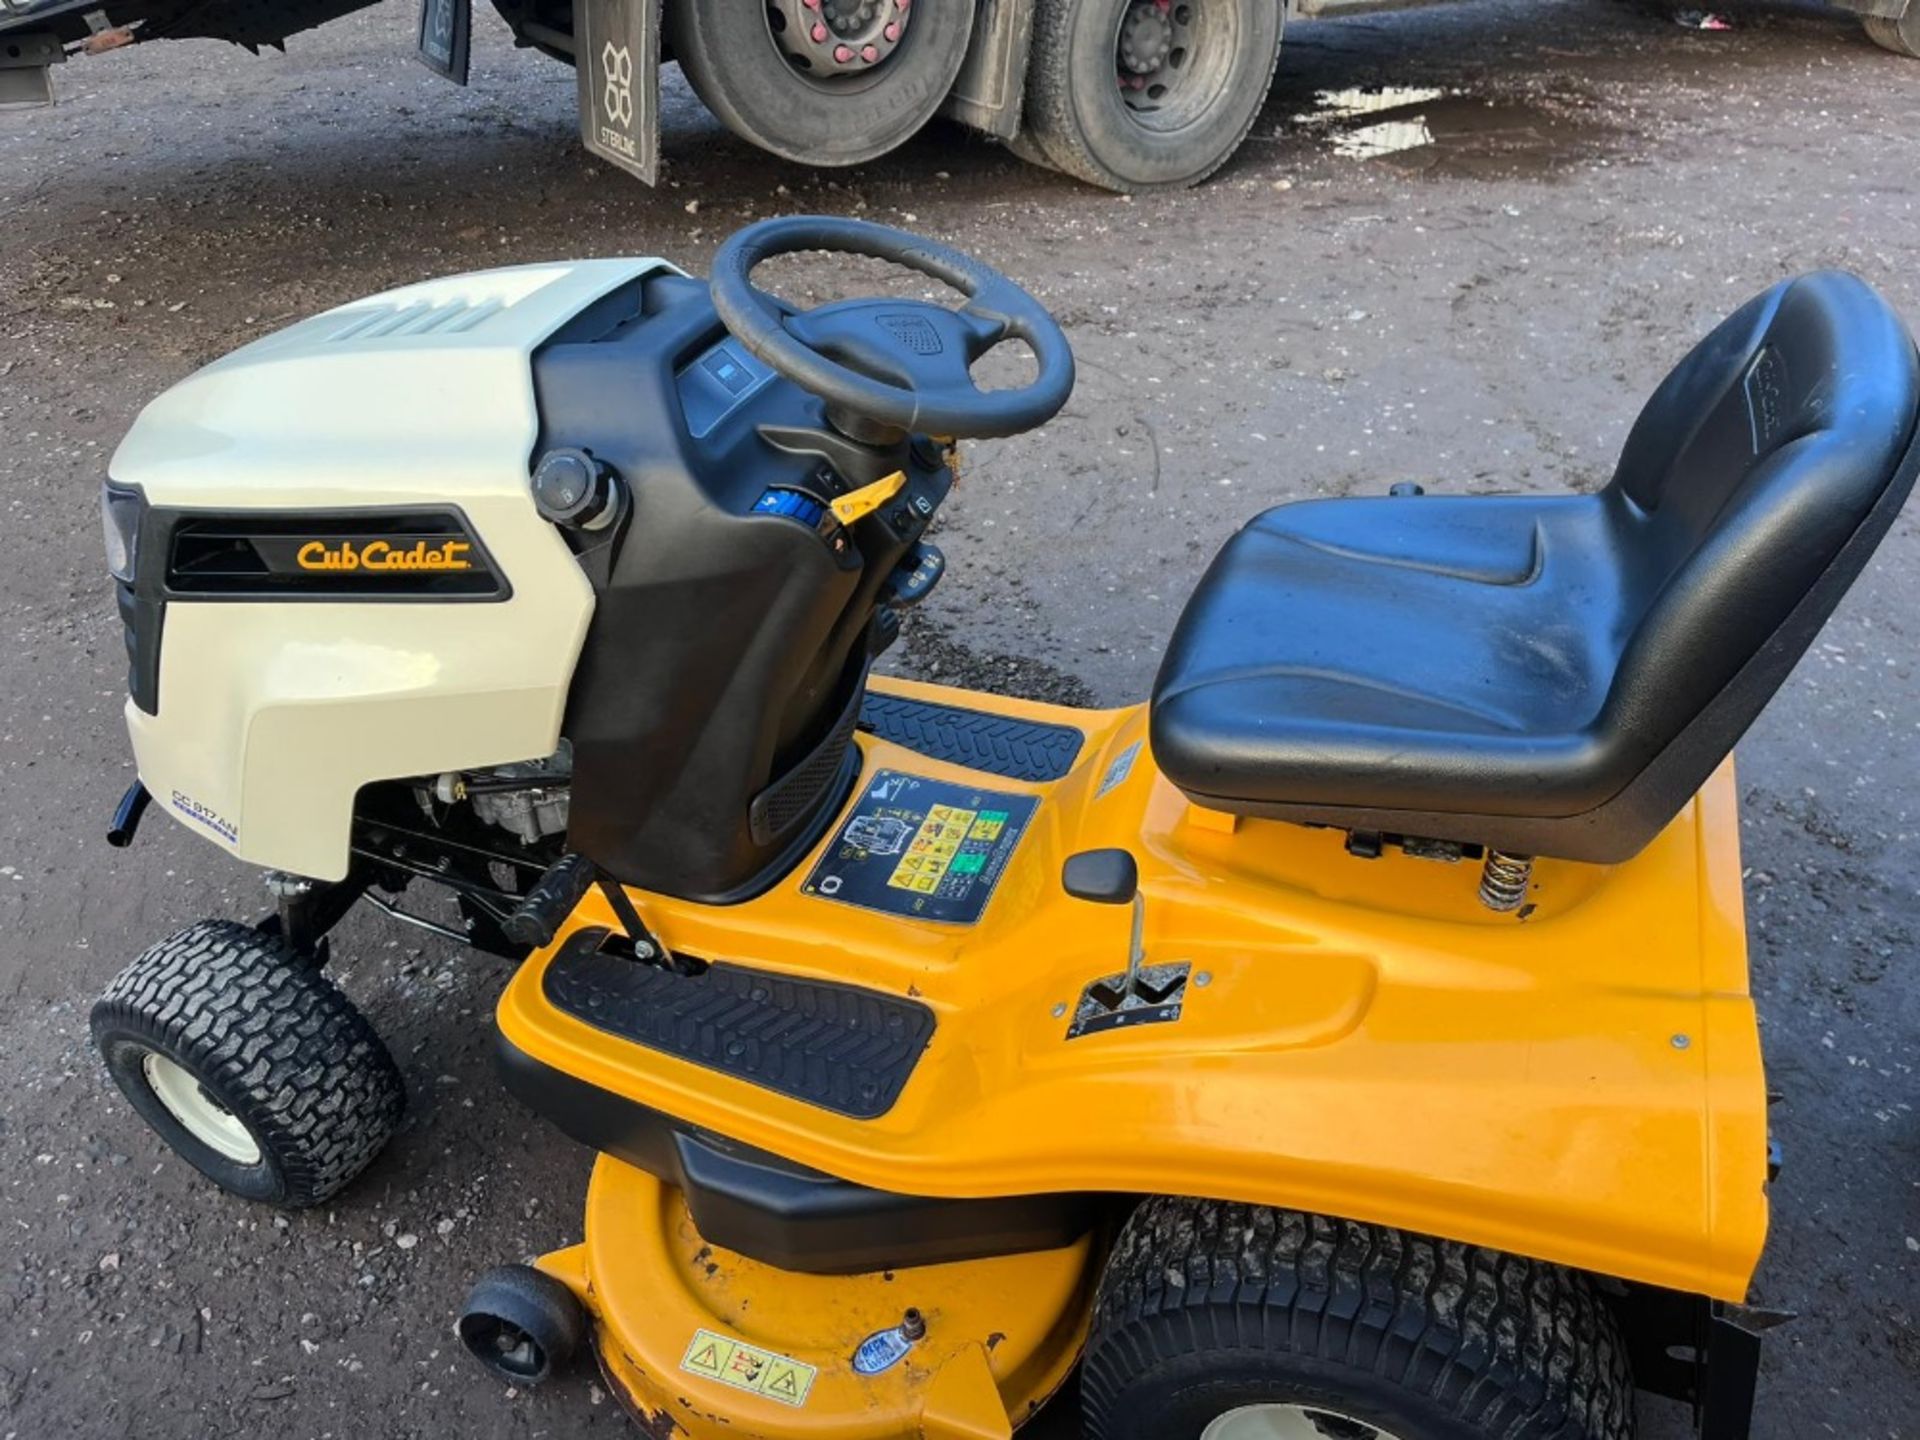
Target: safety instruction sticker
(930, 849)
(745, 1367)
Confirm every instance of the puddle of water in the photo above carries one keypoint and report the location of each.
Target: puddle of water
(1346, 104)
(1452, 133)
(1389, 137)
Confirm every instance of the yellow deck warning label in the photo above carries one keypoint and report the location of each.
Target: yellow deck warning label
(745, 1367)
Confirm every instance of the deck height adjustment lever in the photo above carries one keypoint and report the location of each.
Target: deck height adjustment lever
(1111, 877)
(1142, 994)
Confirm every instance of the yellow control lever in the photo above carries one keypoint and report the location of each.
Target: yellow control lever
(858, 504)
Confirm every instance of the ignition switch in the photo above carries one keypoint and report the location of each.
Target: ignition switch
(575, 489)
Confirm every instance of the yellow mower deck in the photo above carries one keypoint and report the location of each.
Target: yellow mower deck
(1360, 1038)
(701, 1342)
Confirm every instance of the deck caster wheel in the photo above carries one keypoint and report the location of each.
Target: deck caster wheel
(521, 1324)
(250, 1063)
(1238, 1322)
(1898, 33)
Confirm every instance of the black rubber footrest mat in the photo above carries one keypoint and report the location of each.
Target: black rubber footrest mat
(995, 744)
(836, 1046)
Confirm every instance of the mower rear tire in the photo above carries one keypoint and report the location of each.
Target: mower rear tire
(740, 72)
(521, 1324)
(1209, 66)
(1223, 1322)
(1898, 33)
(250, 1063)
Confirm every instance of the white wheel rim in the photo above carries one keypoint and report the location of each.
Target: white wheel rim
(205, 1118)
(1290, 1422)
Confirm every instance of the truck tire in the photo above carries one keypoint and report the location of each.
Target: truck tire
(1026, 145)
(1230, 1322)
(250, 1063)
(761, 90)
(1900, 34)
(1138, 95)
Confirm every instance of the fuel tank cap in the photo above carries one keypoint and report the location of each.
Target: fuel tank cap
(576, 489)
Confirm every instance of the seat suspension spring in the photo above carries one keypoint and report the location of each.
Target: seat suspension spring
(1504, 880)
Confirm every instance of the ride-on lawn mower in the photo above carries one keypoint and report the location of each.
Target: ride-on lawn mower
(1352, 1042)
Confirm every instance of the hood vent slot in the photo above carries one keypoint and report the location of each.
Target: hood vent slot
(450, 317)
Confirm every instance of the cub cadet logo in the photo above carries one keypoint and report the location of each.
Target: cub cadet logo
(384, 555)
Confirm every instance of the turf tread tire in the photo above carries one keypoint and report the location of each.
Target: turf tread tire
(1474, 1342)
(1055, 130)
(273, 1039)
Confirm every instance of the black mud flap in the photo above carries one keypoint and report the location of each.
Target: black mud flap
(1704, 1353)
(988, 92)
(1725, 1406)
(617, 58)
(26, 76)
(445, 39)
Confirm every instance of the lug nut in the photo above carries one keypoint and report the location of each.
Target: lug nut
(870, 53)
(843, 53)
(892, 32)
(819, 33)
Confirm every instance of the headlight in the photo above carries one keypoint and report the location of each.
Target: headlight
(121, 507)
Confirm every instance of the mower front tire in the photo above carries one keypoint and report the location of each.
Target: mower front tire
(250, 1063)
(1239, 1322)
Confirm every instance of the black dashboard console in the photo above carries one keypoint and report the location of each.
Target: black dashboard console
(713, 707)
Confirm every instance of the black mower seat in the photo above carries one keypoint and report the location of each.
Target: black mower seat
(1555, 675)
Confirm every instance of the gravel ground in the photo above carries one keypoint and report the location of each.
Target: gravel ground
(1486, 312)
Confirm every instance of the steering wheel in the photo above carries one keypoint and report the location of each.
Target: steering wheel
(904, 363)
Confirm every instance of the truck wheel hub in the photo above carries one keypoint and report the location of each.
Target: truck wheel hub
(838, 37)
(1146, 38)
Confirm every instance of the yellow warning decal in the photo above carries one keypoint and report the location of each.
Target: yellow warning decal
(744, 1367)
(935, 844)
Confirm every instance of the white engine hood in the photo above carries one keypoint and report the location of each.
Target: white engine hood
(273, 713)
